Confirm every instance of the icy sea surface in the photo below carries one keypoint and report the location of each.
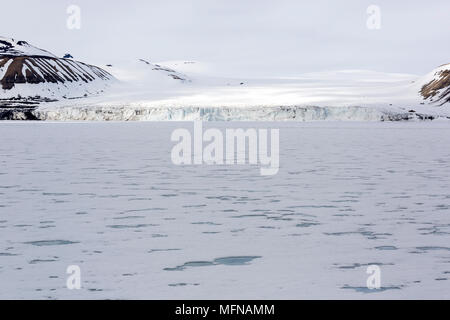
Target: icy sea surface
(107, 198)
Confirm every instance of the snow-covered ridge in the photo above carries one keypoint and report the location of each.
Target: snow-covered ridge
(166, 70)
(14, 47)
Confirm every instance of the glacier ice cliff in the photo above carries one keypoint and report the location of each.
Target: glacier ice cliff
(262, 113)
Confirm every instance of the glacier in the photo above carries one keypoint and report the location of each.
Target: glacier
(258, 113)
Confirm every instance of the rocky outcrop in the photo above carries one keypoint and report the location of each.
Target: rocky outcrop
(437, 89)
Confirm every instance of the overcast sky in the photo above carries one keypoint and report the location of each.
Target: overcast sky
(291, 37)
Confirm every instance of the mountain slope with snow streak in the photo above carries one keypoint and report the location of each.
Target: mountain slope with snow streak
(436, 86)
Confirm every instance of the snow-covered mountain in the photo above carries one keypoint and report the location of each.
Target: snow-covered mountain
(27, 72)
(48, 88)
(436, 85)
